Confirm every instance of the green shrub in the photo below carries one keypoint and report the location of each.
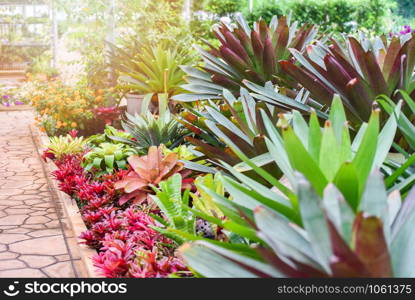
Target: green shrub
(265, 11)
(330, 15)
(224, 7)
(405, 8)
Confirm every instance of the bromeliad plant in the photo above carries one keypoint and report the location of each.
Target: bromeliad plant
(245, 53)
(334, 241)
(238, 120)
(147, 171)
(324, 156)
(60, 146)
(358, 72)
(335, 219)
(107, 157)
(149, 129)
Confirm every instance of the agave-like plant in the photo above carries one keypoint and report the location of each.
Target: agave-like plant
(358, 72)
(334, 241)
(245, 53)
(147, 171)
(150, 129)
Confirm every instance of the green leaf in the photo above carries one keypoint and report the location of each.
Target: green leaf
(251, 199)
(398, 172)
(109, 161)
(302, 161)
(386, 137)
(337, 117)
(300, 127)
(97, 163)
(314, 140)
(266, 175)
(374, 198)
(121, 164)
(260, 160)
(330, 154)
(275, 145)
(358, 138)
(408, 100)
(365, 155)
(216, 262)
(347, 182)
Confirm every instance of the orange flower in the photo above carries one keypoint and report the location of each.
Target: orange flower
(73, 124)
(99, 99)
(64, 124)
(42, 129)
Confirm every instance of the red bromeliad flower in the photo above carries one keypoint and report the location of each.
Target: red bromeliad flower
(115, 261)
(47, 154)
(148, 264)
(73, 133)
(133, 234)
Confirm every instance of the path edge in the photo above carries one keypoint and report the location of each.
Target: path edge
(22, 107)
(70, 206)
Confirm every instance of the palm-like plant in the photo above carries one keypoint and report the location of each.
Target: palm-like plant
(151, 69)
(358, 72)
(245, 53)
(376, 241)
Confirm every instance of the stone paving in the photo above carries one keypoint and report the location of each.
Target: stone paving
(35, 240)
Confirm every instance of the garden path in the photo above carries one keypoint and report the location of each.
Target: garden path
(35, 239)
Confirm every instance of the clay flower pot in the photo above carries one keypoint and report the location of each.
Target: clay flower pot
(134, 103)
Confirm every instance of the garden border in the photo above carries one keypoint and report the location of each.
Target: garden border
(16, 107)
(70, 206)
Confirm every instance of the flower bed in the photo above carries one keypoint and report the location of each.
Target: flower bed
(121, 231)
(61, 108)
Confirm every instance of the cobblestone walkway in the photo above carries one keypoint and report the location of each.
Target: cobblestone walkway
(35, 240)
